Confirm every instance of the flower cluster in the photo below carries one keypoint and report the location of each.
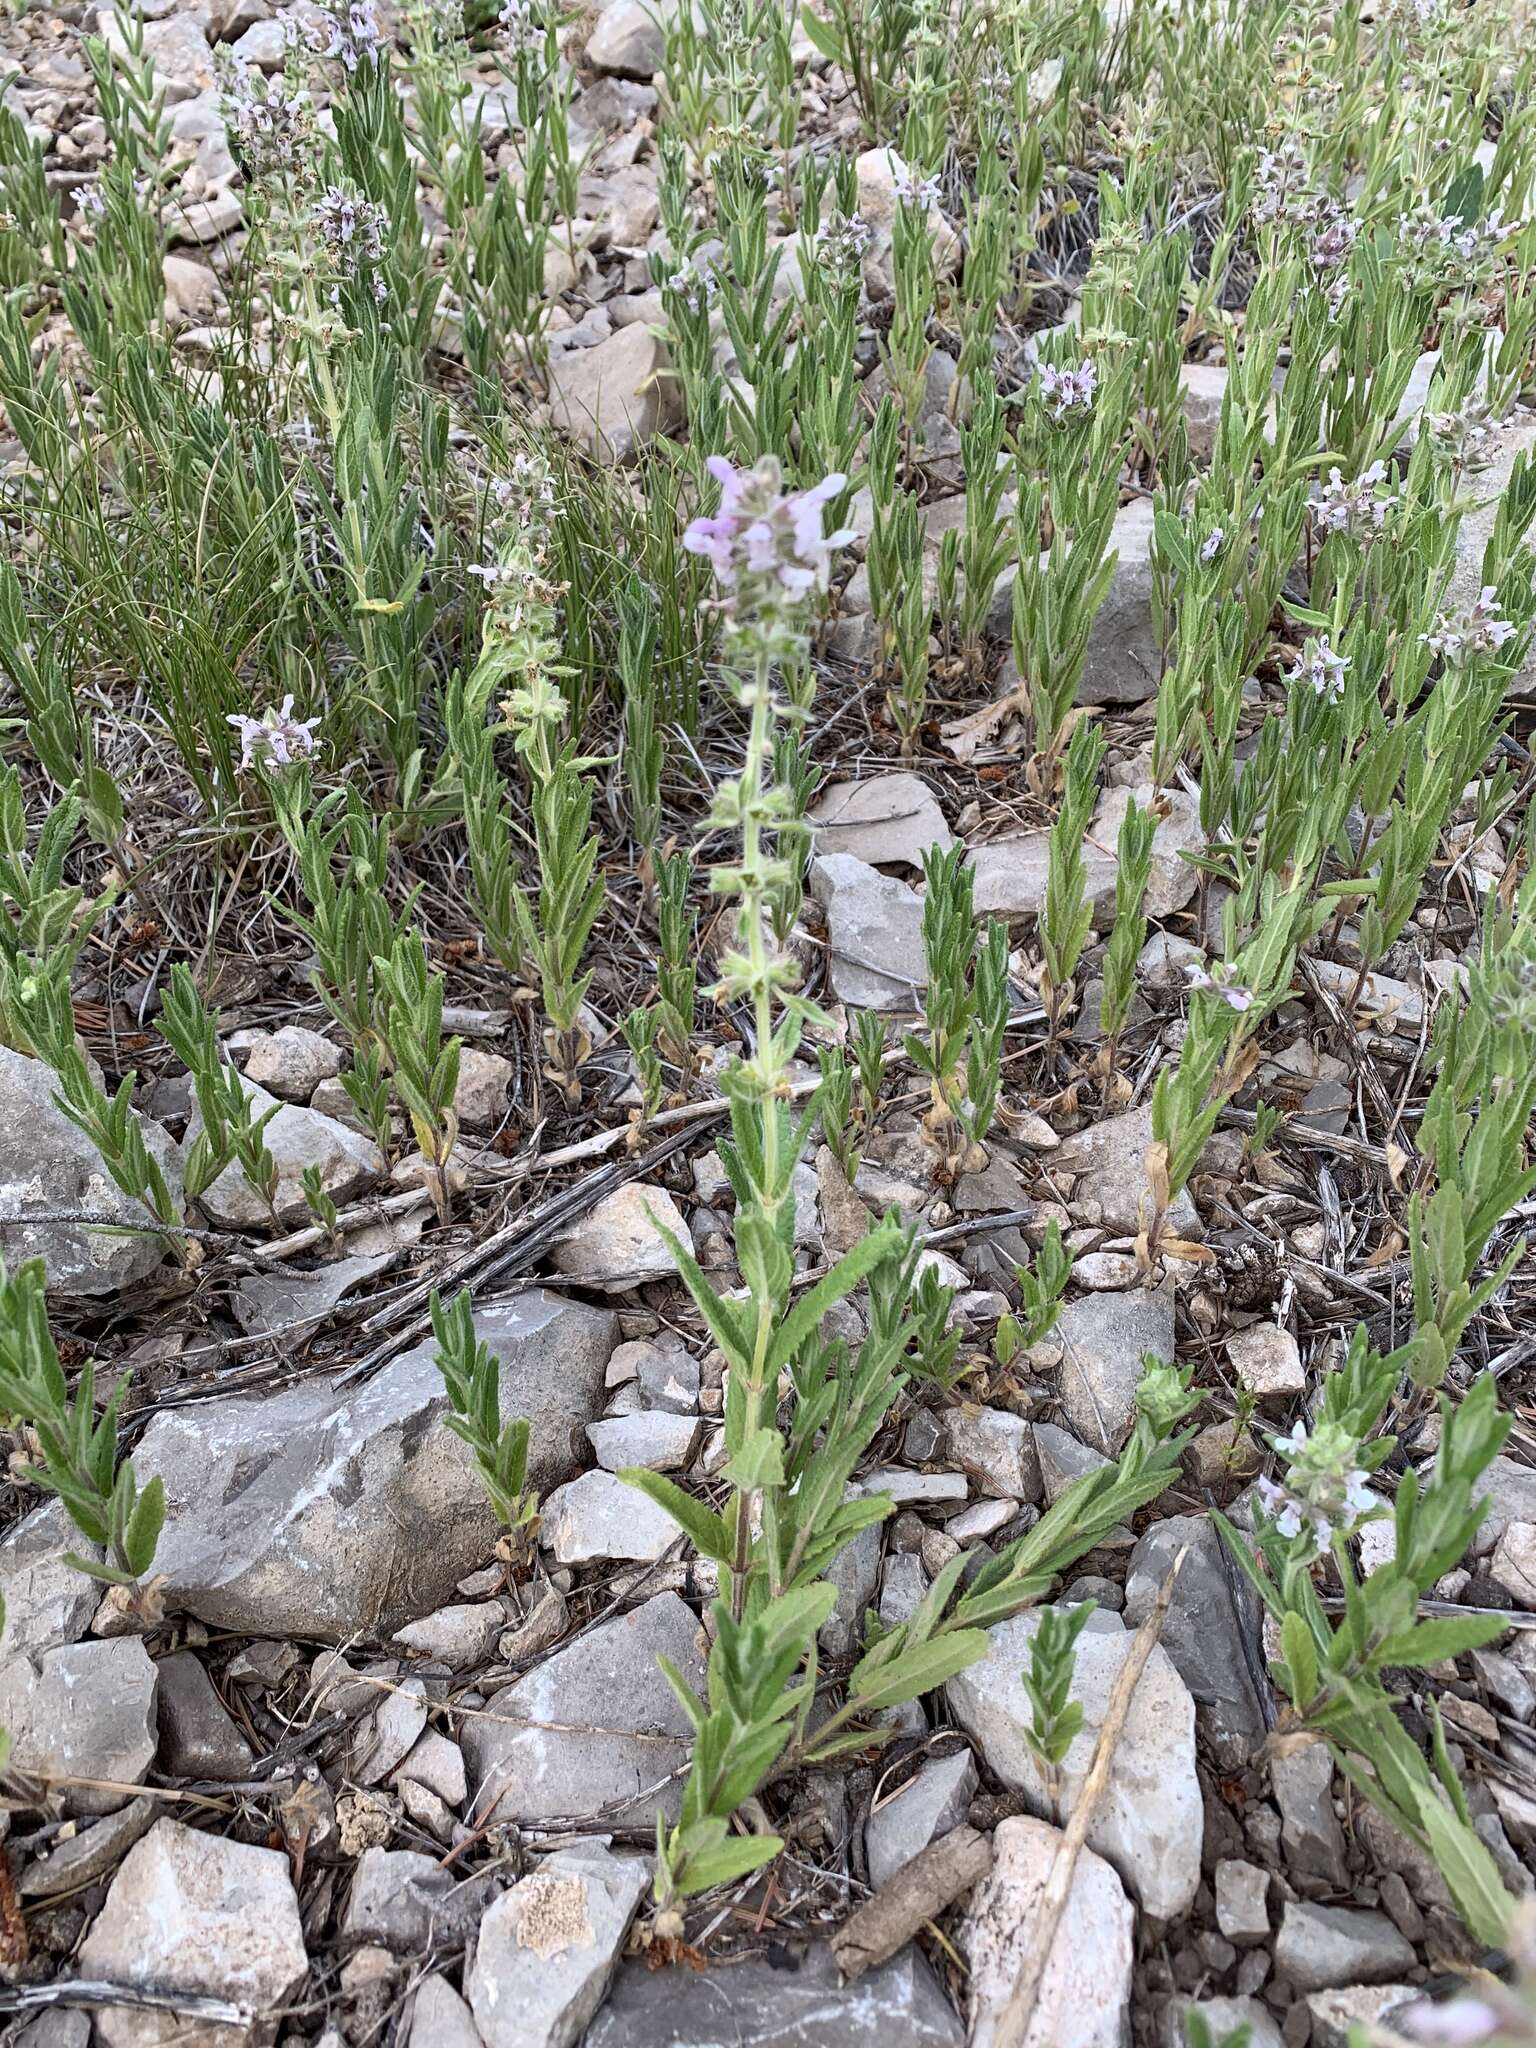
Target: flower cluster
(1065, 391)
(923, 192)
(765, 543)
(522, 23)
(695, 287)
(1219, 981)
(1285, 184)
(840, 245)
(1458, 636)
(1323, 668)
(1332, 238)
(269, 126)
(1359, 509)
(1469, 436)
(90, 202)
(350, 37)
(277, 738)
(353, 230)
(1325, 1493)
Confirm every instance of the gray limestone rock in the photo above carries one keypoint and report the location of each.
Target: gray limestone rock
(874, 931)
(1149, 1820)
(633, 1738)
(1213, 1611)
(774, 2003)
(1109, 1160)
(47, 1602)
(322, 1510)
(1321, 1948)
(48, 1168)
(197, 1737)
(82, 1711)
(1104, 1338)
(547, 1947)
(297, 1139)
(1085, 1991)
(927, 1806)
(886, 820)
(198, 1913)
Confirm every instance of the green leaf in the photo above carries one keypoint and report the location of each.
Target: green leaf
(142, 1535)
(882, 1243)
(721, 1316)
(917, 1670)
(702, 1526)
(759, 1462)
(1300, 1654)
(1449, 1635)
(738, 1857)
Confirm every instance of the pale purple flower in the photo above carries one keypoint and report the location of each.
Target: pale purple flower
(1333, 239)
(523, 23)
(1067, 391)
(276, 738)
(1469, 436)
(1322, 667)
(90, 199)
(1218, 981)
(764, 538)
(1210, 547)
(1458, 636)
(693, 285)
(1325, 1492)
(268, 126)
(1284, 182)
(1468, 2022)
(353, 34)
(354, 230)
(1359, 509)
(924, 192)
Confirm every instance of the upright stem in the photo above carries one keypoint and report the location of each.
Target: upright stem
(754, 897)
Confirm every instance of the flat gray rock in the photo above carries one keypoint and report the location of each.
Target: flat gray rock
(1085, 1990)
(1011, 874)
(1109, 1162)
(1321, 1948)
(297, 1138)
(1149, 1821)
(197, 1737)
(763, 2004)
(47, 1602)
(1213, 1611)
(890, 820)
(927, 1806)
(619, 1245)
(621, 1740)
(199, 1913)
(996, 1450)
(1104, 1338)
(874, 932)
(49, 1168)
(321, 1511)
(600, 1515)
(85, 1710)
(547, 1947)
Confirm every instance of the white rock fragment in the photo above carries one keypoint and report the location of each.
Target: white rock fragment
(1150, 1818)
(619, 1245)
(1086, 1988)
(548, 1946)
(197, 1913)
(1268, 1362)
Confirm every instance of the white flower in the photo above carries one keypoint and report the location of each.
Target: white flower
(1322, 667)
(276, 738)
(1218, 982)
